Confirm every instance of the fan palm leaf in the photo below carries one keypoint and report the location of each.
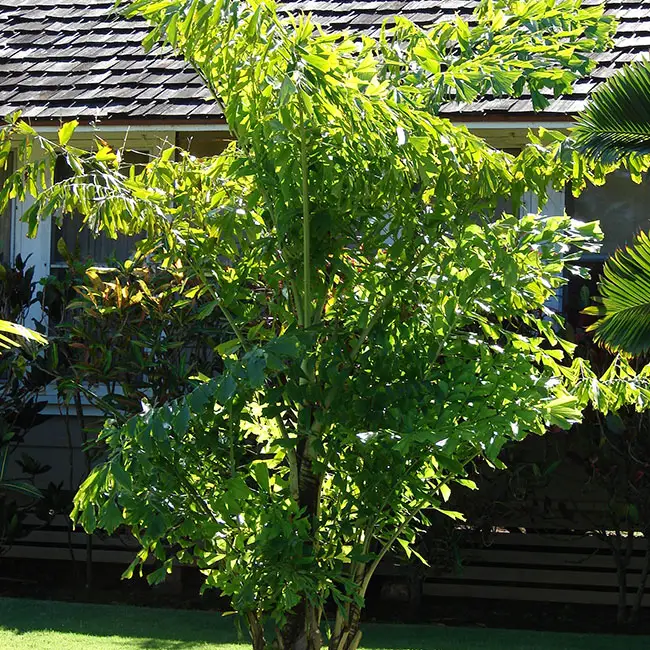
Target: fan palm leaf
(616, 122)
(624, 303)
(12, 333)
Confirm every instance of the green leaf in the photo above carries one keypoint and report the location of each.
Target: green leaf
(182, 420)
(452, 514)
(284, 347)
(287, 89)
(228, 347)
(615, 424)
(62, 248)
(616, 123)
(88, 519)
(66, 131)
(445, 491)
(207, 309)
(226, 389)
(322, 63)
(405, 545)
(450, 464)
(158, 576)
(120, 474)
(21, 487)
(255, 366)
(563, 411)
(24, 129)
(624, 287)
(110, 517)
(11, 334)
(261, 472)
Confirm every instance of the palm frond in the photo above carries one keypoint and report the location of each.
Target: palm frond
(624, 309)
(616, 122)
(12, 333)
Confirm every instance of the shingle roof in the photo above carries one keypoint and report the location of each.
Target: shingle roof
(74, 58)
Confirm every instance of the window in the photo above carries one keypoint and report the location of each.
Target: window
(623, 209)
(202, 144)
(82, 241)
(6, 219)
(506, 204)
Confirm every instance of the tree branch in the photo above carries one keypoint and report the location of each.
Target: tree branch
(306, 218)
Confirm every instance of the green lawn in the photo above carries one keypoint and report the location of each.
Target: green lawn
(47, 625)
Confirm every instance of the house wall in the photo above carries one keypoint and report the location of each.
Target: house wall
(58, 441)
(546, 554)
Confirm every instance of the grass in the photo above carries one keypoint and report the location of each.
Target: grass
(49, 625)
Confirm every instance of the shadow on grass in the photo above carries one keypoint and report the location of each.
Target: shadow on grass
(143, 628)
(170, 644)
(147, 628)
(432, 637)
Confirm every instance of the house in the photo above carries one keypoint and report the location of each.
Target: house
(76, 59)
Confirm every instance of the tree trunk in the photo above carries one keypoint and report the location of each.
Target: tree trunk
(621, 575)
(302, 629)
(346, 634)
(643, 580)
(622, 556)
(256, 631)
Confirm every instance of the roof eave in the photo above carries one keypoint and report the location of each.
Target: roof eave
(522, 120)
(118, 124)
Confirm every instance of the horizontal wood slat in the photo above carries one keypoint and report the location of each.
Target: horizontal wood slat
(523, 593)
(553, 540)
(561, 567)
(601, 560)
(495, 575)
(55, 541)
(62, 553)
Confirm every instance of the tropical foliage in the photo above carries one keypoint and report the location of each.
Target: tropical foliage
(615, 125)
(12, 333)
(19, 405)
(613, 443)
(613, 129)
(125, 333)
(385, 327)
(624, 302)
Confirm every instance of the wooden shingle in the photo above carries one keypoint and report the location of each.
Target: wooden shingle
(76, 58)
